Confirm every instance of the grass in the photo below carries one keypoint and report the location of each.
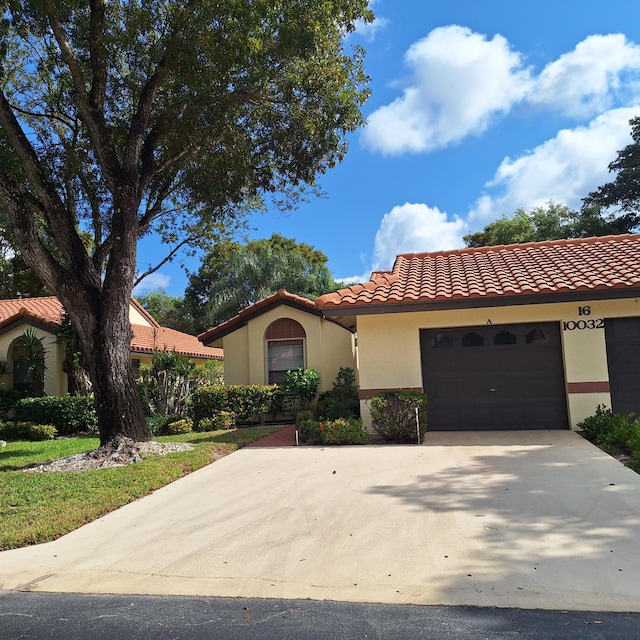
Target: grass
(40, 507)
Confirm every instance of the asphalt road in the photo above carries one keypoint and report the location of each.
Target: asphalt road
(27, 615)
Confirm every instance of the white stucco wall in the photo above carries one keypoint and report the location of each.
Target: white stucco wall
(389, 345)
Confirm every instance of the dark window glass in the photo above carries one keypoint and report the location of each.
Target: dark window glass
(441, 341)
(504, 337)
(473, 339)
(538, 336)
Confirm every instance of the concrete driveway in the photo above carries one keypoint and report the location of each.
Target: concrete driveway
(535, 519)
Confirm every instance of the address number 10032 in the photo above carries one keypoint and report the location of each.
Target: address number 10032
(581, 325)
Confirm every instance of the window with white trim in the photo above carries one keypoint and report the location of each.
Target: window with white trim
(285, 340)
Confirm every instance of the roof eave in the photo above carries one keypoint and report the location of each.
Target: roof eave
(368, 308)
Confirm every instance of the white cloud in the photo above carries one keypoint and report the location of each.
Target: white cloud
(586, 80)
(369, 30)
(152, 282)
(415, 227)
(564, 169)
(460, 81)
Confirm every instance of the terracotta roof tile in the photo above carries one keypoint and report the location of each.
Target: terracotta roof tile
(149, 339)
(280, 297)
(589, 264)
(49, 311)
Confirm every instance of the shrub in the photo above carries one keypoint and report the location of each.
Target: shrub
(180, 426)
(301, 387)
(343, 431)
(342, 400)
(159, 422)
(68, 414)
(219, 421)
(8, 399)
(209, 372)
(166, 386)
(27, 431)
(248, 402)
(393, 415)
(612, 431)
(308, 427)
(597, 426)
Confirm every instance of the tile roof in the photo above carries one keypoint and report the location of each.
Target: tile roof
(280, 297)
(561, 266)
(149, 339)
(48, 311)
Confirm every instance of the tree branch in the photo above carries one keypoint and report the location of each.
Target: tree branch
(96, 53)
(167, 258)
(92, 116)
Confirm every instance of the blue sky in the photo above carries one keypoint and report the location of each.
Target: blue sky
(478, 107)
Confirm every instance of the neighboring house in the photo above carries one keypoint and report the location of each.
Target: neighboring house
(280, 333)
(524, 336)
(43, 316)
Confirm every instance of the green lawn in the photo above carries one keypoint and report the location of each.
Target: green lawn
(39, 507)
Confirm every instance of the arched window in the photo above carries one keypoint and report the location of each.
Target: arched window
(285, 348)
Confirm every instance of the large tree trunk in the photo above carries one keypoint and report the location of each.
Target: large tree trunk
(104, 331)
(116, 396)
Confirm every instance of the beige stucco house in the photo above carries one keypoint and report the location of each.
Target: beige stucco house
(523, 336)
(279, 333)
(43, 316)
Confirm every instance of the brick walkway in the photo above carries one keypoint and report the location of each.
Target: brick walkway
(284, 438)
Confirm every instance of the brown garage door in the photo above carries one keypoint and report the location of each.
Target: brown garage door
(494, 377)
(623, 359)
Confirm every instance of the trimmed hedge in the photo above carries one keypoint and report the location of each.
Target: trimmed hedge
(249, 403)
(393, 415)
(179, 426)
(27, 431)
(218, 422)
(68, 414)
(339, 431)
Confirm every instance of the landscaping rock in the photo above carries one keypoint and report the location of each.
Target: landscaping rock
(116, 453)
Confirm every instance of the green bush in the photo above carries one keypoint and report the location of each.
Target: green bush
(27, 431)
(8, 399)
(613, 431)
(343, 431)
(342, 400)
(159, 422)
(68, 414)
(219, 421)
(597, 426)
(179, 426)
(301, 387)
(248, 402)
(308, 427)
(339, 431)
(165, 387)
(393, 415)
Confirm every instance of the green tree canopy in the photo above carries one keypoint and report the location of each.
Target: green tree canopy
(552, 222)
(171, 117)
(233, 276)
(168, 311)
(624, 191)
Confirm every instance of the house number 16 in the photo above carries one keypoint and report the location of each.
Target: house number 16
(571, 325)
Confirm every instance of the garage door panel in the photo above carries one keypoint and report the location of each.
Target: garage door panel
(622, 336)
(515, 380)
